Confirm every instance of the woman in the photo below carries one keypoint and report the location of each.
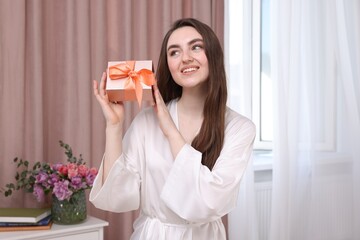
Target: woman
(182, 160)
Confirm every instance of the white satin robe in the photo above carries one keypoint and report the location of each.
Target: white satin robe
(179, 198)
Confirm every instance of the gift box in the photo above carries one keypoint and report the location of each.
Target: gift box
(130, 81)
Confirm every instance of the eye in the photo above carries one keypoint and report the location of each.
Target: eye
(197, 47)
(173, 53)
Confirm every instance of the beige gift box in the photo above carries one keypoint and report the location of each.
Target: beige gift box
(130, 81)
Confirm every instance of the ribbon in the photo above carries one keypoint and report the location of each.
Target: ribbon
(132, 78)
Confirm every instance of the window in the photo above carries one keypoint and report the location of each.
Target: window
(247, 49)
(262, 99)
(262, 107)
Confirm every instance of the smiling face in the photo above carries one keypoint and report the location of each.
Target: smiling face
(186, 58)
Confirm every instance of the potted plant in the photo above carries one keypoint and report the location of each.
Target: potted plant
(66, 182)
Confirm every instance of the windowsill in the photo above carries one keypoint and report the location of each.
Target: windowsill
(326, 164)
(263, 160)
(262, 165)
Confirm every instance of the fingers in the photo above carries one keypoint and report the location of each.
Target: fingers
(159, 107)
(155, 92)
(95, 88)
(157, 96)
(99, 89)
(103, 84)
(153, 102)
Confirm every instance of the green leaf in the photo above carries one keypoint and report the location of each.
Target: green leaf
(8, 193)
(21, 183)
(32, 179)
(45, 165)
(36, 165)
(68, 151)
(23, 174)
(10, 185)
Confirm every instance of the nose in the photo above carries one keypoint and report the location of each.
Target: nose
(186, 57)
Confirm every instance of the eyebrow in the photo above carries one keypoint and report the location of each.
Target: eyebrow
(189, 43)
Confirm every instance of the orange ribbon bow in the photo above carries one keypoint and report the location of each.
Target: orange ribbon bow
(133, 78)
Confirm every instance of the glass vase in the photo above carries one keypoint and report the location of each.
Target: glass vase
(70, 211)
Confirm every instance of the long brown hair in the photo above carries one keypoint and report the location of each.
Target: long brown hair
(210, 139)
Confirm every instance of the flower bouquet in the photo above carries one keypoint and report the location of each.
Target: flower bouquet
(65, 181)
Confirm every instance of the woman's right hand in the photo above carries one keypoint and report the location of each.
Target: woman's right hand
(113, 112)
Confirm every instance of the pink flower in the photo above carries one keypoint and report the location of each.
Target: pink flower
(63, 170)
(59, 179)
(72, 173)
(72, 170)
(72, 166)
(93, 171)
(82, 169)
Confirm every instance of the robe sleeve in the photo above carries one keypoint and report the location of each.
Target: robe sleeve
(197, 194)
(120, 191)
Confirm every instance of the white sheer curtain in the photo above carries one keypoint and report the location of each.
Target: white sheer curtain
(316, 78)
(242, 221)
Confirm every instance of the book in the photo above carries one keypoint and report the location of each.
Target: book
(26, 228)
(25, 215)
(43, 222)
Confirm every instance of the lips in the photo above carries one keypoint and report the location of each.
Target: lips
(189, 69)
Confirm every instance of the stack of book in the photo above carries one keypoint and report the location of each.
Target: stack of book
(24, 219)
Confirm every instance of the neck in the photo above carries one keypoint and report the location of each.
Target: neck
(190, 110)
(191, 104)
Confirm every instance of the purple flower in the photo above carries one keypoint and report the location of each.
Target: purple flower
(57, 166)
(41, 177)
(53, 178)
(90, 179)
(62, 191)
(59, 179)
(77, 183)
(39, 193)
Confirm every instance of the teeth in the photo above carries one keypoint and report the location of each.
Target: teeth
(189, 70)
